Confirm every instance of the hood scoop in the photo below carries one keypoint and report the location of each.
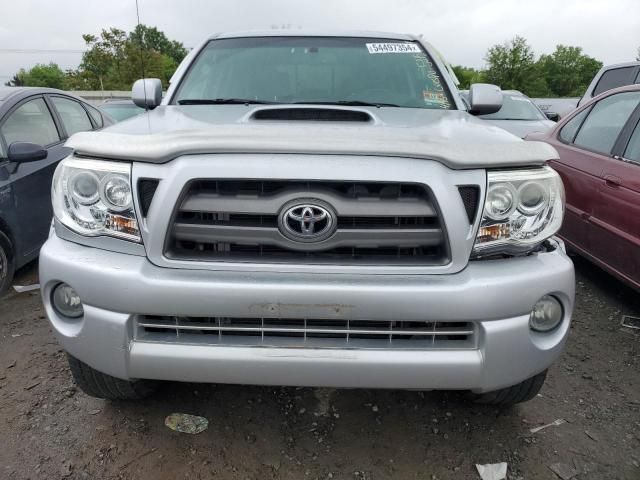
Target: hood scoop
(312, 114)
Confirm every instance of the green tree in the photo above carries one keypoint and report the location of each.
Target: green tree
(40, 75)
(512, 66)
(136, 60)
(115, 59)
(467, 76)
(150, 38)
(568, 71)
(103, 57)
(16, 80)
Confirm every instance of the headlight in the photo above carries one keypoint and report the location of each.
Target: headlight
(522, 209)
(93, 197)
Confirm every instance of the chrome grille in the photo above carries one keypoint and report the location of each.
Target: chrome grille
(312, 333)
(377, 223)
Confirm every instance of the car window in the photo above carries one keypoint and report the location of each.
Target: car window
(633, 149)
(30, 122)
(605, 121)
(568, 132)
(95, 115)
(73, 116)
(618, 77)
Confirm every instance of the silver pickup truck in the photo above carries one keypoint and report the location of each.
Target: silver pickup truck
(309, 210)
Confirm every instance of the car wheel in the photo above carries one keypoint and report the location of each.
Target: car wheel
(7, 263)
(519, 393)
(101, 385)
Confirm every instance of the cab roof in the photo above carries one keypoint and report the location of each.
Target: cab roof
(8, 92)
(314, 33)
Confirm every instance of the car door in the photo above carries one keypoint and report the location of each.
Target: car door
(616, 219)
(606, 195)
(580, 172)
(31, 120)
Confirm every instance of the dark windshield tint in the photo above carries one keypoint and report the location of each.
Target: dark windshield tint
(316, 70)
(618, 77)
(516, 107)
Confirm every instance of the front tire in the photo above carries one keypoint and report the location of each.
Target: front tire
(522, 392)
(7, 263)
(100, 385)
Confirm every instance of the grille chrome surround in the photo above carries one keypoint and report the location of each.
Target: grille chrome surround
(377, 223)
(309, 333)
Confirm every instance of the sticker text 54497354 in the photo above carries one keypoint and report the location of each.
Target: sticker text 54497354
(393, 48)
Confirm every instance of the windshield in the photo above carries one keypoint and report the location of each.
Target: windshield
(516, 107)
(315, 70)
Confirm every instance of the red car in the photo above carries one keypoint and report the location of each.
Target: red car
(599, 147)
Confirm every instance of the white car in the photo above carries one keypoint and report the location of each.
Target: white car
(520, 116)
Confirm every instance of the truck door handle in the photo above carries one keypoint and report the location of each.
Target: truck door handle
(612, 181)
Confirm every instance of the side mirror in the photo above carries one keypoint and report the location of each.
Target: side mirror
(553, 116)
(21, 152)
(484, 98)
(147, 93)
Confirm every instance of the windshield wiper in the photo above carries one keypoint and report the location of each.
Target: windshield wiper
(223, 101)
(351, 103)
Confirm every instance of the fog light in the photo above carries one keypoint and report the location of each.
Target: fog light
(546, 314)
(66, 301)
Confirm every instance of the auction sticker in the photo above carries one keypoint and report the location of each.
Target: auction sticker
(393, 48)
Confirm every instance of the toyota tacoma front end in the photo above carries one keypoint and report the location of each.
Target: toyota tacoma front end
(311, 211)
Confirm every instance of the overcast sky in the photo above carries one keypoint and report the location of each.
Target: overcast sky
(461, 29)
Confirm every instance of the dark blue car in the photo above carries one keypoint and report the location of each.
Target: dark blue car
(34, 124)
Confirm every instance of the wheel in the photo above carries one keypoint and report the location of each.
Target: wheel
(101, 385)
(522, 392)
(7, 263)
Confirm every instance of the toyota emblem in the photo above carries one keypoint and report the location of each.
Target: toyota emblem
(311, 221)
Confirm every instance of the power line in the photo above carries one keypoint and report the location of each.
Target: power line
(38, 50)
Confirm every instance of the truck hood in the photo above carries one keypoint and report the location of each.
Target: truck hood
(522, 128)
(453, 138)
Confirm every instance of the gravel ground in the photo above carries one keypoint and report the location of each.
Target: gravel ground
(50, 430)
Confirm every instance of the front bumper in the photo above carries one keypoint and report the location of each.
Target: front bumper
(497, 295)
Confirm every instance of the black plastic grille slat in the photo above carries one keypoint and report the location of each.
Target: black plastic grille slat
(230, 252)
(271, 221)
(201, 232)
(470, 195)
(270, 187)
(146, 190)
(234, 220)
(386, 222)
